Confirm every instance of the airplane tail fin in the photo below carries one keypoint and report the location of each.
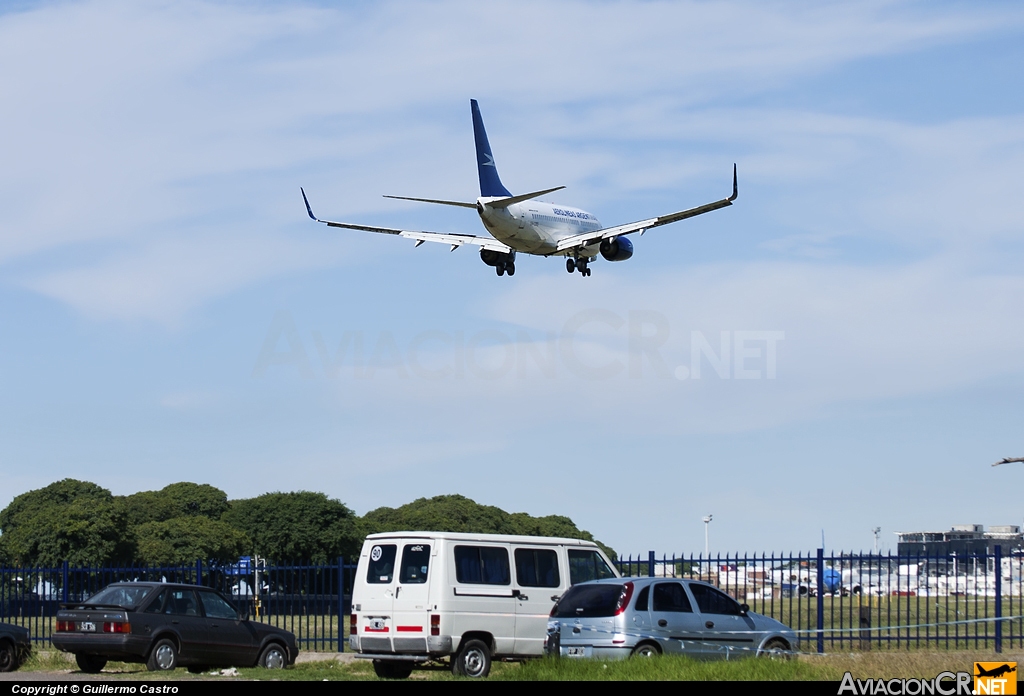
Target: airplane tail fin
(490, 184)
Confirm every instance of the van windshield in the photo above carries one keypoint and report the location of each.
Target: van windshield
(415, 562)
(381, 568)
(587, 565)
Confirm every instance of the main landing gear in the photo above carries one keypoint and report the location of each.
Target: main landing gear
(580, 265)
(506, 267)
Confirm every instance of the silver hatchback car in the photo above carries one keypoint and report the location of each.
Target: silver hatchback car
(619, 617)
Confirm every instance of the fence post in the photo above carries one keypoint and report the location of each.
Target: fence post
(64, 581)
(341, 604)
(199, 572)
(821, 600)
(650, 564)
(999, 598)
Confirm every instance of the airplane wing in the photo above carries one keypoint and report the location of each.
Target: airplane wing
(455, 240)
(642, 226)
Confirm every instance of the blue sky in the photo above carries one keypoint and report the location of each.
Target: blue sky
(169, 312)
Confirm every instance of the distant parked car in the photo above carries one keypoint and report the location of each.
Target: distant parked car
(15, 647)
(619, 617)
(166, 626)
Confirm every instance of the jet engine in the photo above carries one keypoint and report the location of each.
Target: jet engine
(497, 258)
(616, 249)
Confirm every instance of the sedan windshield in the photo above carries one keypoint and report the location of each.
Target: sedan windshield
(126, 596)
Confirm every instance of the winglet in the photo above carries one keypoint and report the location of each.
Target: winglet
(308, 209)
(735, 189)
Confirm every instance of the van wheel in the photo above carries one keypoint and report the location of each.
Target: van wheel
(90, 664)
(386, 669)
(473, 660)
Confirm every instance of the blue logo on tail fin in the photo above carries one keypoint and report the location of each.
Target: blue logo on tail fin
(490, 183)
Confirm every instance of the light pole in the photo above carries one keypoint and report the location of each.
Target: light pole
(707, 523)
(876, 531)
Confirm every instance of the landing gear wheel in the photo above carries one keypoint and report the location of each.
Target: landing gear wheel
(164, 656)
(776, 649)
(510, 269)
(646, 650)
(473, 660)
(587, 272)
(90, 664)
(500, 269)
(386, 669)
(273, 657)
(570, 265)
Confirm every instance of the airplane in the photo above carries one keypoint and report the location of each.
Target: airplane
(523, 224)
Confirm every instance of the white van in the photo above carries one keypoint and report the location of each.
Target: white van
(428, 596)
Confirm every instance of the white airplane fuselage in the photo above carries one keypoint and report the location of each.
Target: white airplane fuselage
(536, 227)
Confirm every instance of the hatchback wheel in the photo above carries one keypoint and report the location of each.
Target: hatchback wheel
(646, 650)
(164, 656)
(776, 649)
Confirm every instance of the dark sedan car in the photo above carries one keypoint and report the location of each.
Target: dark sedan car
(15, 647)
(167, 626)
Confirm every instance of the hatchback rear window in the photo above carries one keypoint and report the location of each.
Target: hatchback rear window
(589, 600)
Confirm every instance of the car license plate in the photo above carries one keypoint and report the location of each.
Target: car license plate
(576, 651)
(377, 624)
(87, 626)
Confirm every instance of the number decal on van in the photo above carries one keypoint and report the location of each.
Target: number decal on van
(376, 553)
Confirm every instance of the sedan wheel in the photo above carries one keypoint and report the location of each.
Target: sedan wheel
(273, 657)
(164, 656)
(90, 664)
(8, 656)
(776, 649)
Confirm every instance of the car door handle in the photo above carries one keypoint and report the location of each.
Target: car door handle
(709, 624)
(662, 622)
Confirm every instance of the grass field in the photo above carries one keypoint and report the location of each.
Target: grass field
(871, 665)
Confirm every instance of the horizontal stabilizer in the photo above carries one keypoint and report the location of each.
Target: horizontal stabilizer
(506, 202)
(434, 200)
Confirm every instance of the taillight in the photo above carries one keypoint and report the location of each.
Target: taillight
(117, 627)
(624, 597)
(353, 624)
(435, 624)
(65, 626)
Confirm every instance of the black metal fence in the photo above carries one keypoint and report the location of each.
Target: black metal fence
(837, 601)
(868, 601)
(310, 600)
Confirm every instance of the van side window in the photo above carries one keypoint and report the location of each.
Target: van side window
(587, 565)
(381, 568)
(537, 568)
(482, 565)
(415, 560)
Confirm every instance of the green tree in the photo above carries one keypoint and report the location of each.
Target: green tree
(457, 513)
(301, 525)
(176, 500)
(183, 540)
(74, 521)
